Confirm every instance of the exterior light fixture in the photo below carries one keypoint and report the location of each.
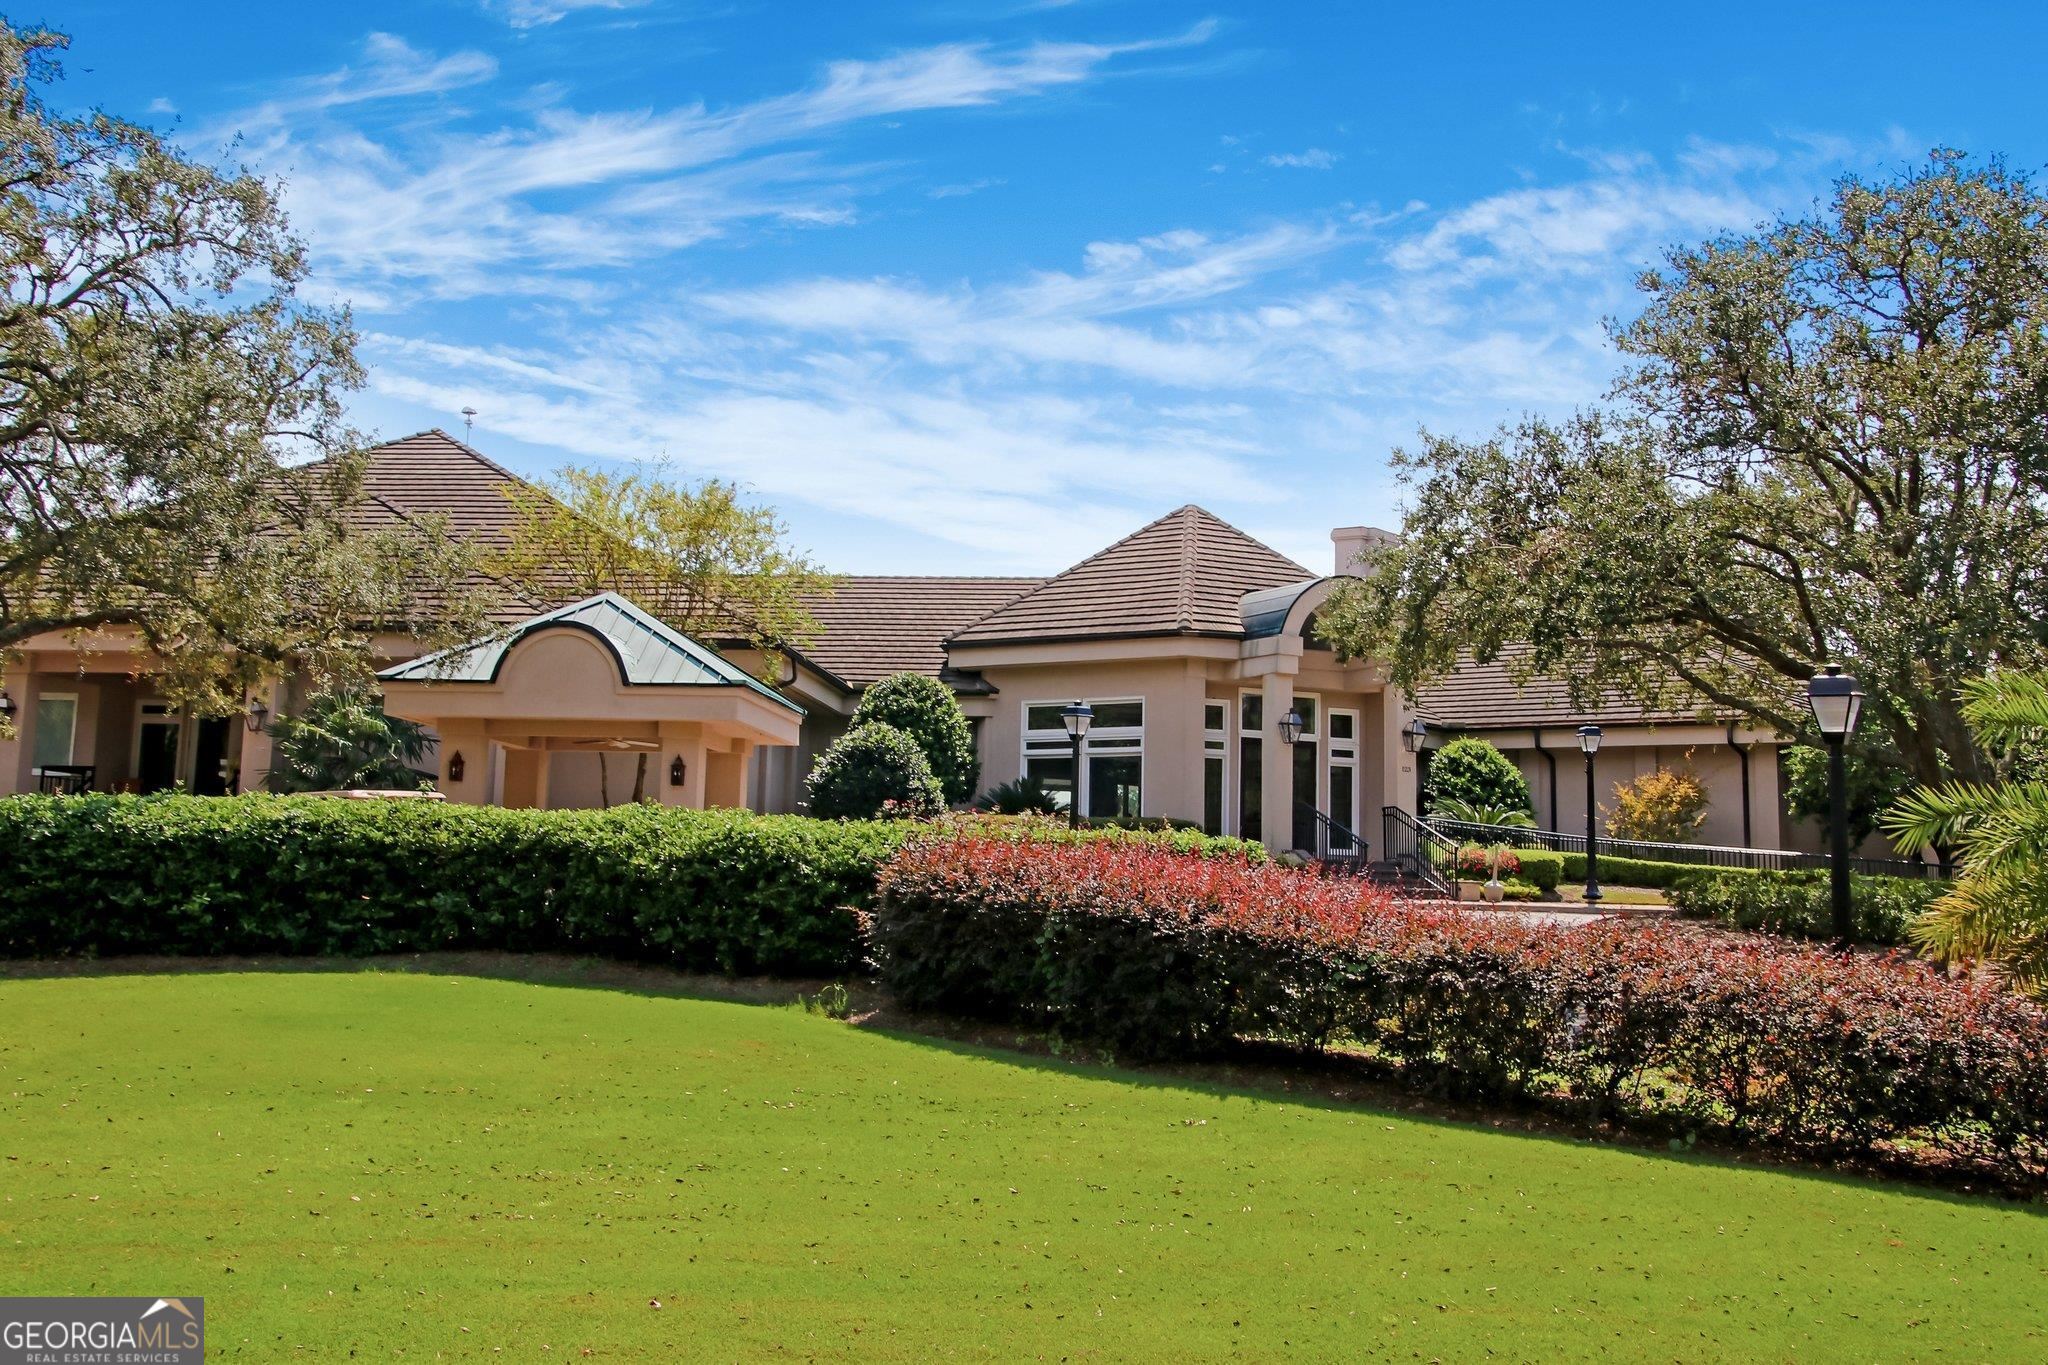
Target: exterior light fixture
(1077, 718)
(455, 766)
(1837, 703)
(1589, 745)
(1412, 735)
(1291, 725)
(676, 771)
(257, 715)
(7, 707)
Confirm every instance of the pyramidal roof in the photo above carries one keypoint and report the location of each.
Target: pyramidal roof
(1183, 574)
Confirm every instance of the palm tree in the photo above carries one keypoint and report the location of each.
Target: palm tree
(1488, 817)
(1998, 911)
(345, 740)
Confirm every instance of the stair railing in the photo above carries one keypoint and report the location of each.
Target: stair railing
(1418, 852)
(1335, 841)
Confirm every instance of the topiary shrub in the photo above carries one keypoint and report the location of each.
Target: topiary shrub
(924, 709)
(872, 770)
(1473, 772)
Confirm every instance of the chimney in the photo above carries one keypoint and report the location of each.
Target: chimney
(1357, 545)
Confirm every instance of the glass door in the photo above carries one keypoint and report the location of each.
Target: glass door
(1343, 812)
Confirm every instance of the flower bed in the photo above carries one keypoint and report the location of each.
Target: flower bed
(1160, 956)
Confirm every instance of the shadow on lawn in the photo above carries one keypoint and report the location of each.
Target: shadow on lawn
(1336, 1081)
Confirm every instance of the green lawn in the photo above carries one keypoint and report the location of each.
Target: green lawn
(414, 1166)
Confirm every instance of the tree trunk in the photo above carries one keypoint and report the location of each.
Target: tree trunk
(604, 781)
(640, 781)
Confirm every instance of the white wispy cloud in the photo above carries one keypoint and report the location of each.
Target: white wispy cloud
(539, 13)
(456, 213)
(1026, 420)
(1313, 159)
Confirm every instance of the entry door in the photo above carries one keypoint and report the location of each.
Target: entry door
(1343, 742)
(210, 758)
(156, 747)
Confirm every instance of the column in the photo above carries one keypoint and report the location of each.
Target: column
(681, 740)
(1397, 765)
(725, 774)
(1276, 764)
(526, 779)
(257, 748)
(26, 687)
(465, 740)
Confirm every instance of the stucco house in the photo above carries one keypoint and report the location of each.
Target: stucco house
(1189, 639)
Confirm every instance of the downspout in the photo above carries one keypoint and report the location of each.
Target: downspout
(1742, 757)
(1551, 759)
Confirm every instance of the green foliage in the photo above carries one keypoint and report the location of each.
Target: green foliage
(343, 741)
(1872, 786)
(696, 556)
(1541, 868)
(711, 890)
(1663, 806)
(1474, 773)
(925, 709)
(1800, 904)
(1828, 448)
(99, 875)
(1486, 817)
(872, 770)
(173, 454)
(1020, 796)
(1998, 911)
(1638, 871)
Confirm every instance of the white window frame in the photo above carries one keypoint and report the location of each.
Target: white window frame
(1341, 755)
(1123, 741)
(1218, 744)
(70, 740)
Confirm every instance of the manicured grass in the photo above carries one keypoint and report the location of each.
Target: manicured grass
(381, 1163)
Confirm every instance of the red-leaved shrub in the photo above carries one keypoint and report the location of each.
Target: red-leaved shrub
(1157, 954)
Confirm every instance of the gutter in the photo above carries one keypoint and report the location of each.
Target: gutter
(1550, 757)
(1742, 757)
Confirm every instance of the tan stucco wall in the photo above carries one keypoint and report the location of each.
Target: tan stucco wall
(1627, 753)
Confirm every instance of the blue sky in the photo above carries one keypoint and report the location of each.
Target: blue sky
(980, 287)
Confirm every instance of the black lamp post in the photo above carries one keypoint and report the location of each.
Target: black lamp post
(1837, 701)
(1077, 717)
(1589, 745)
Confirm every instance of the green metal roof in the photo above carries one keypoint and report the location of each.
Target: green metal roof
(648, 653)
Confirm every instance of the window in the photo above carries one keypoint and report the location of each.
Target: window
(1112, 780)
(1215, 764)
(1343, 747)
(56, 729)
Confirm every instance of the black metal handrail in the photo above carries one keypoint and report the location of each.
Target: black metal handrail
(1705, 855)
(1417, 851)
(1334, 838)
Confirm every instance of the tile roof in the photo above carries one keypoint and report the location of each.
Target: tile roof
(1485, 696)
(874, 625)
(1184, 574)
(430, 473)
(649, 654)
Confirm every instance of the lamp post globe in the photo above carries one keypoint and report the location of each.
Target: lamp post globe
(1589, 745)
(1077, 716)
(1836, 701)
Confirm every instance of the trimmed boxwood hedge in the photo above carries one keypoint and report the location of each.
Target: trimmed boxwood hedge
(1639, 871)
(1799, 904)
(725, 890)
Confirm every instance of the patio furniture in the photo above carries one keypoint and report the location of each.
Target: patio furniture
(64, 779)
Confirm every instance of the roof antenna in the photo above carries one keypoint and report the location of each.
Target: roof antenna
(468, 422)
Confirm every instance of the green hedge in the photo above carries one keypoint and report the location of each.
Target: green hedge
(1801, 905)
(1640, 871)
(722, 891)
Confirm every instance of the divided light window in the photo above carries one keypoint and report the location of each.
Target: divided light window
(1215, 764)
(56, 729)
(1113, 782)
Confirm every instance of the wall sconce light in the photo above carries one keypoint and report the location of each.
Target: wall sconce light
(1413, 734)
(258, 713)
(7, 707)
(676, 771)
(1291, 725)
(455, 766)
